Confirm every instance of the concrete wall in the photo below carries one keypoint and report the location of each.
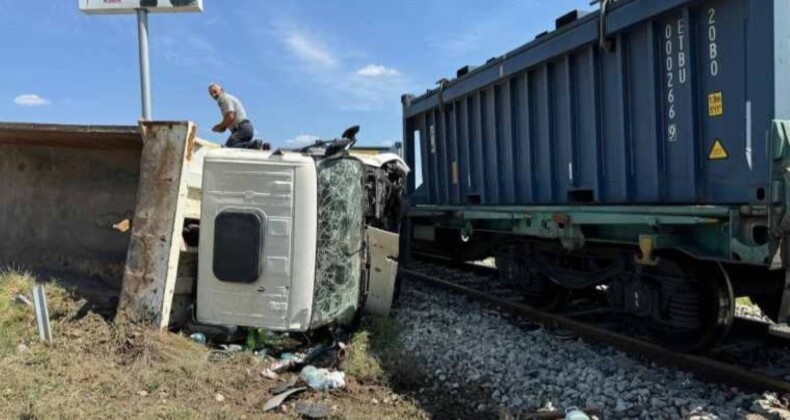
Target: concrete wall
(62, 188)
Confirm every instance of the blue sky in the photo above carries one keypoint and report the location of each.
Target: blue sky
(302, 68)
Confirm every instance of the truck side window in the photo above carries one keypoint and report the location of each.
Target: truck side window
(238, 243)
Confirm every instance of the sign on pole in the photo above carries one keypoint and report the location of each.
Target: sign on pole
(131, 6)
(141, 8)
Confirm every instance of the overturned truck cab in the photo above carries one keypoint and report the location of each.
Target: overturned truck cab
(293, 241)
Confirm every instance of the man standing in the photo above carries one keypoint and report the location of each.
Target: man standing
(234, 117)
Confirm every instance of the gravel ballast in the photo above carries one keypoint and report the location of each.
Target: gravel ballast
(463, 345)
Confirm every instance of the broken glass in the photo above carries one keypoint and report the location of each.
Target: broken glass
(339, 244)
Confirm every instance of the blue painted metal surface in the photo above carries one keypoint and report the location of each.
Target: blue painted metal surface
(677, 112)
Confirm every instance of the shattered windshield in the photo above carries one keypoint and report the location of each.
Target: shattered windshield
(340, 227)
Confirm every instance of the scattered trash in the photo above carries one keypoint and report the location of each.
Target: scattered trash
(123, 226)
(22, 300)
(771, 407)
(313, 410)
(261, 353)
(22, 348)
(143, 393)
(219, 397)
(291, 357)
(231, 348)
(327, 356)
(322, 379)
(573, 413)
(268, 373)
(287, 361)
(277, 400)
(199, 338)
(216, 333)
(284, 386)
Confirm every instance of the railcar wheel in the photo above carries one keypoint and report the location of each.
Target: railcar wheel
(535, 287)
(700, 315)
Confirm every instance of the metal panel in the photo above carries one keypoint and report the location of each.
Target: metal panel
(152, 263)
(130, 6)
(560, 121)
(383, 271)
(63, 188)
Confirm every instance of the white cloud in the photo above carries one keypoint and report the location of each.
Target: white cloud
(388, 143)
(302, 140)
(334, 67)
(30, 99)
(365, 93)
(308, 49)
(373, 70)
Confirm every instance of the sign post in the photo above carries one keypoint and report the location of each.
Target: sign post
(141, 8)
(145, 68)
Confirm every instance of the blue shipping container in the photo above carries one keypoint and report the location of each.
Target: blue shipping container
(676, 110)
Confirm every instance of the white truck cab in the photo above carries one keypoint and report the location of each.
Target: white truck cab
(284, 244)
(258, 240)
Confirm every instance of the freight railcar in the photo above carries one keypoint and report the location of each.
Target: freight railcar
(638, 151)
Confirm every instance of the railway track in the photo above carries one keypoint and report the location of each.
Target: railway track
(453, 276)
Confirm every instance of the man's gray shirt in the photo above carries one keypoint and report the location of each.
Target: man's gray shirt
(229, 103)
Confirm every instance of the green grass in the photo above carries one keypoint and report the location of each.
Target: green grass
(15, 319)
(373, 350)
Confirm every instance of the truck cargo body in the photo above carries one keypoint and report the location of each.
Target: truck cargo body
(677, 111)
(63, 188)
(78, 204)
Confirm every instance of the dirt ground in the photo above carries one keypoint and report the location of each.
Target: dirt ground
(96, 369)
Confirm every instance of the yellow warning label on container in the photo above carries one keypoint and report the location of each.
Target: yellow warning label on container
(455, 173)
(715, 104)
(718, 152)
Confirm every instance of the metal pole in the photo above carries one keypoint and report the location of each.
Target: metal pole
(145, 71)
(42, 313)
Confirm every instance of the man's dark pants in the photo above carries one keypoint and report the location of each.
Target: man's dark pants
(241, 136)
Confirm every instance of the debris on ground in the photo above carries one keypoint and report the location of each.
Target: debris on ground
(322, 379)
(231, 348)
(573, 413)
(199, 338)
(23, 300)
(280, 398)
(313, 410)
(287, 362)
(771, 407)
(284, 386)
(168, 375)
(327, 356)
(269, 374)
